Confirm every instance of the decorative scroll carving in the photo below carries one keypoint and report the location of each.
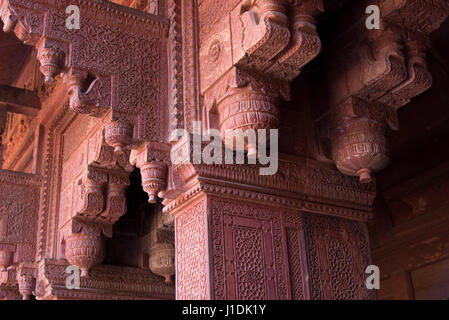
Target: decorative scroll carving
(104, 282)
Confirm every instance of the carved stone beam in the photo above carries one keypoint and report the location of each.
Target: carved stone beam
(153, 160)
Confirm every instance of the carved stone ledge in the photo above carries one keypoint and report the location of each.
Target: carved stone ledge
(105, 282)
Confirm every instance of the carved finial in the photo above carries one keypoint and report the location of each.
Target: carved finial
(86, 249)
(50, 60)
(154, 179)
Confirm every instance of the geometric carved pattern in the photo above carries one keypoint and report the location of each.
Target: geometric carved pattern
(248, 251)
(337, 257)
(191, 254)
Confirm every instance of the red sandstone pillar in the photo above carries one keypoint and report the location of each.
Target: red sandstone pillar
(228, 248)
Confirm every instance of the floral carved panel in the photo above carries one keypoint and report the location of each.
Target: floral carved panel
(248, 256)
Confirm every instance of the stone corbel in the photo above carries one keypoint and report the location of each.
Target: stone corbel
(26, 278)
(359, 137)
(85, 245)
(153, 160)
(88, 94)
(265, 32)
(246, 100)
(376, 67)
(103, 195)
(118, 182)
(305, 42)
(418, 79)
(92, 193)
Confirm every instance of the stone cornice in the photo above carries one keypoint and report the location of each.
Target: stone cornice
(105, 282)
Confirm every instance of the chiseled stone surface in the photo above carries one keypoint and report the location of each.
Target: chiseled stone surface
(87, 178)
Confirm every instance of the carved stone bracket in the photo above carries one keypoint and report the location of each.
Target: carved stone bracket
(249, 58)
(85, 246)
(26, 278)
(153, 160)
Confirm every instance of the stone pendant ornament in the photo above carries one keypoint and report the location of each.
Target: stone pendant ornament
(162, 261)
(85, 250)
